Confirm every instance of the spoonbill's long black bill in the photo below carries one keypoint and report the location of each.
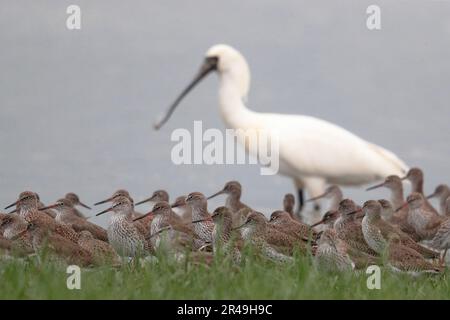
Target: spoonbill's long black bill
(210, 64)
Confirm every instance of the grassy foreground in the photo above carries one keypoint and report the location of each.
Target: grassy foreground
(255, 279)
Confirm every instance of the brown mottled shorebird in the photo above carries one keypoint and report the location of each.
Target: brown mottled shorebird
(255, 230)
(377, 232)
(442, 192)
(67, 216)
(12, 226)
(75, 201)
(334, 193)
(281, 240)
(282, 221)
(202, 230)
(233, 190)
(330, 256)
(123, 234)
(28, 207)
(425, 222)
(404, 259)
(388, 213)
(178, 236)
(42, 237)
(28, 210)
(101, 252)
(349, 230)
(441, 240)
(223, 237)
(415, 176)
(182, 209)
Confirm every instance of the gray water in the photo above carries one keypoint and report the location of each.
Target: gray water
(77, 107)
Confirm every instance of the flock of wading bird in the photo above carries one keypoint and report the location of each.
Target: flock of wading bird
(407, 236)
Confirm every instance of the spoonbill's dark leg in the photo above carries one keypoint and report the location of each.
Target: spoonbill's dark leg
(301, 201)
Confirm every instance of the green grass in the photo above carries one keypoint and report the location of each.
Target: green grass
(255, 279)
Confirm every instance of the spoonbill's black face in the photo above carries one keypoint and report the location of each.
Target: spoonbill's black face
(209, 64)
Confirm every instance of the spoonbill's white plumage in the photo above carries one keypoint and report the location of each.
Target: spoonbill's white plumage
(312, 151)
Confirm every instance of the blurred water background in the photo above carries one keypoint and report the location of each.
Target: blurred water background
(77, 107)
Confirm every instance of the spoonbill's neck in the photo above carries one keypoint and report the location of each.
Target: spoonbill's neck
(231, 100)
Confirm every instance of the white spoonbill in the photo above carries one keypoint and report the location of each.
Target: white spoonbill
(312, 151)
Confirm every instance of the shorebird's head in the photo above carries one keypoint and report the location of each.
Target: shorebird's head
(414, 175)
(27, 200)
(196, 200)
(441, 190)
(255, 222)
(385, 204)
(222, 215)
(6, 219)
(328, 218)
(118, 193)
(161, 207)
(61, 205)
(11, 225)
(386, 208)
(289, 202)
(120, 204)
(347, 207)
(75, 200)
(158, 195)
(415, 200)
(391, 182)
(232, 188)
(280, 216)
(229, 63)
(372, 209)
(180, 202)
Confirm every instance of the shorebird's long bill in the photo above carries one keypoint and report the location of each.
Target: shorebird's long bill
(201, 220)
(431, 196)
(316, 198)
(13, 211)
(317, 223)
(241, 226)
(144, 216)
(84, 206)
(210, 64)
(104, 211)
(401, 207)
(144, 201)
(103, 201)
(48, 207)
(354, 212)
(375, 186)
(216, 194)
(12, 205)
